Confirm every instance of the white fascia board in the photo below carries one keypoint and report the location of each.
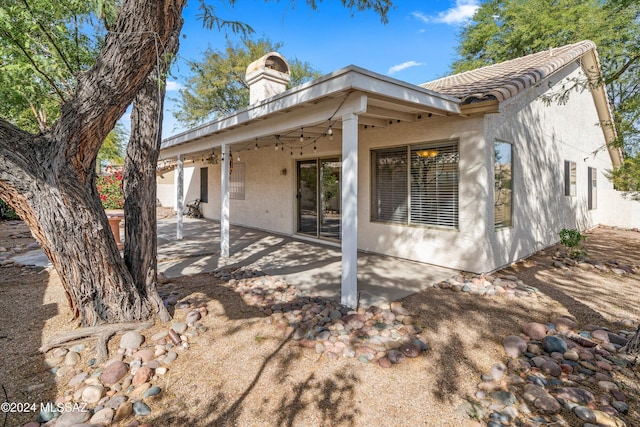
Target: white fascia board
(275, 124)
(351, 78)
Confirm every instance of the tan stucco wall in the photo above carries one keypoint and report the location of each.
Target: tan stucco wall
(544, 135)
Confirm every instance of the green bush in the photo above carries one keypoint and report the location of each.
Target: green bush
(574, 241)
(7, 212)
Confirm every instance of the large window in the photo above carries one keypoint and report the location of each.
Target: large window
(503, 191)
(416, 185)
(204, 185)
(593, 188)
(569, 178)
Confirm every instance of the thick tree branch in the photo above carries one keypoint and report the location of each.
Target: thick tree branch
(104, 92)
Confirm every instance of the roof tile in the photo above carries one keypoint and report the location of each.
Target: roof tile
(505, 79)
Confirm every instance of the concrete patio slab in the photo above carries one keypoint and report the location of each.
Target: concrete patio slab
(310, 266)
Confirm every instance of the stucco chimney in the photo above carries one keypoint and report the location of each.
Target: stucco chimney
(268, 76)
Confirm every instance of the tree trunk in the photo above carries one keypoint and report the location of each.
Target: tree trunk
(140, 246)
(49, 179)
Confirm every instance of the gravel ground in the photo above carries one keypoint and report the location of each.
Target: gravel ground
(245, 371)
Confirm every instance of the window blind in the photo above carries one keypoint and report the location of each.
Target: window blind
(416, 185)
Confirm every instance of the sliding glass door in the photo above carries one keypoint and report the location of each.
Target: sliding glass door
(318, 198)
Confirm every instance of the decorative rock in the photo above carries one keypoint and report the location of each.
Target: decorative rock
(548, 405)
(93, 393)
(553, 343)
(178, 327)
(144, 355)
(171, 356)
(585, 414)
(78, 379)
(140, 409)
(67, 419)
(103, 416)
(497, 371)
(115, 402)
(551, 368)
(174, 337)
(142, 376)
(72, 358)
(152, 392)
(514, 346)
(621, 407)
(504, 397)
(193, 317)
(114, 372)
(564, 324)
(534, 330)
(396, 356)
(410, 349)
(131, 340)
(123, 411)
(384, 362)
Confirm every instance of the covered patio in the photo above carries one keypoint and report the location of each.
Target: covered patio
(344, 103)
(313, 267)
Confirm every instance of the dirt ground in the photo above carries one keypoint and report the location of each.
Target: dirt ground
(244, 370)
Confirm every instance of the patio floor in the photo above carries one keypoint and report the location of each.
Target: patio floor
(312, 267)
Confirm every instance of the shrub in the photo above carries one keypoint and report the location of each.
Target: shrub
(109, 186)
(573, 240)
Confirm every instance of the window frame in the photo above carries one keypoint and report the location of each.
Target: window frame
(570, 178)
(440, 200)
(496, 185)
(237, 183)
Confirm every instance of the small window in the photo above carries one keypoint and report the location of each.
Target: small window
(204, 185)
(569, 178)
(236, 182)
(503, 191)
(593, 188)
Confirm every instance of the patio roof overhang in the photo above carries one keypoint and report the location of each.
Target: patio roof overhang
(378, 100)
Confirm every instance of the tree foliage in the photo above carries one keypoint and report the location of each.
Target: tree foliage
(218, 86)
(42, 50)
(506, 29)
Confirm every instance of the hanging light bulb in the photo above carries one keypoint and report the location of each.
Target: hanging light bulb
(301, 134)
(314, 148)
(330, 131)
(291, 151)
(238, 156)
(256, 147)
(277, 140)
(301, 151)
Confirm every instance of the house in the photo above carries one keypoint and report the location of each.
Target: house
(471, 172)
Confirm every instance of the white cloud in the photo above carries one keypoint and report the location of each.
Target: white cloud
(403, 66)
(173, 86)
(463, 11)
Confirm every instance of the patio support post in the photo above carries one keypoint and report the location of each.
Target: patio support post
(179, 196)
(349, 287)
(224, 208)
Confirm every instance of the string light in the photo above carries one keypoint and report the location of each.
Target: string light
(301, 134)
(277, 140)
(314, 147)
(256, 147)
(301, 151)
(238, 156)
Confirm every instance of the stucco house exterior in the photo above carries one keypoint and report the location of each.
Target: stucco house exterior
(472, 171)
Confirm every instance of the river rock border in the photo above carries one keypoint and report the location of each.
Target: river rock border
(385, 335)
(554, 374)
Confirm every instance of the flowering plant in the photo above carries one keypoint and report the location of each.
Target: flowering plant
(109, 186)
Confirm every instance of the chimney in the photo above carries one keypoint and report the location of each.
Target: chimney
(266, 77)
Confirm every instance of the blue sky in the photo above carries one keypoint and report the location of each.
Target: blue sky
(416, 45)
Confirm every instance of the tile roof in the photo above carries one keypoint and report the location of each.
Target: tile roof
(505, 79)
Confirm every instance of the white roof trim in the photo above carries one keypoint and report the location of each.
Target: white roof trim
(347, 79)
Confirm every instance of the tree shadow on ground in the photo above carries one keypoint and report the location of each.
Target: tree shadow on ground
(24, 312)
